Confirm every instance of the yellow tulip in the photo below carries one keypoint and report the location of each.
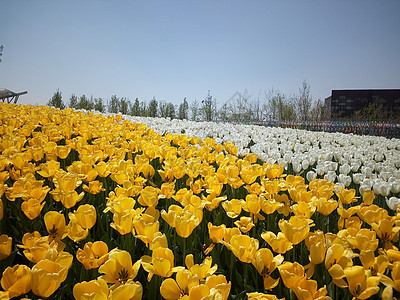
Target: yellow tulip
(377, 265)
(368, 197)
(337, 258)
(346, 196)
(159, 241)
(266, 263)
(245, 224)
(102, 169)
(315, 243)
(47, 277)
(296, 229)
(146, 229)
(161, 263)
(212, 201)
(248, 175)
(261, 296)
(55, 225)
(386, 230)
(167, 190)
(394, 281)
(118, 268)
(131, 290)
(243, 246)
(274, 171)
(123, 221)
(361, 284)
(94, 187)
(269, 206)
(361, 239)
(372, 214)
(85, 216)
(219, 287)
(5, 246)
(76, 232)
(202, 271)
(62, 151)
(1, 209)
(148, 197)
(95, 289)
(307, 289)
(49, 168)
(233, 207)
(172, 289)
(326, 206)
(279, 243)
(32, 208)
(292, 274)
(16, 280)
(253, 206)
(93, 255)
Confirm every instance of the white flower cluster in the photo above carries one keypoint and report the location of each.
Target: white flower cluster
(364, 162)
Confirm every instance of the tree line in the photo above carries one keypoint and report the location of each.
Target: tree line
(241, 107)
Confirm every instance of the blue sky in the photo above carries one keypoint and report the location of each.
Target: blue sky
(176, 49)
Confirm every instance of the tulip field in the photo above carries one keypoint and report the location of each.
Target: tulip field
(97, 206)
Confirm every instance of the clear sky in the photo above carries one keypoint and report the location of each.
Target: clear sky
(174, 49)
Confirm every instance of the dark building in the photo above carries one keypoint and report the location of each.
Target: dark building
(345, 103)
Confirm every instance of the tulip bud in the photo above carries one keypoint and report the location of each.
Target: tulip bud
(5, 246)
(311, 175)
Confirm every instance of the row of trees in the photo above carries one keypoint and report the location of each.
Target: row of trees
(242, 107)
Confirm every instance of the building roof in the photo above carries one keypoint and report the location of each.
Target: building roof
(9, 96)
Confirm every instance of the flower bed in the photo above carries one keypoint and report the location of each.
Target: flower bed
(95, 205)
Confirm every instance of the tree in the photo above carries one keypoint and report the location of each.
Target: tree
(170, 110)
(208, 109)
(135, 108)
(162, 109)
(279, 107)
(152, 108)
(195, 110)
(114, 105)
(73, 101)
(56, 100)
(124, 106)
(99, 106)
(183, 110)
(224, 113)
(1, 51)
(271, 106)
(304, 102)
(317, 112)
(85, 103)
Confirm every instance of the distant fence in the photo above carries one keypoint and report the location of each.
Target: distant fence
(388, 130)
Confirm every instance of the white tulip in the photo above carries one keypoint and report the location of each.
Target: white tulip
(311, 175)
(345, 179)
(367, 171)
(345, 169)
(385, 175)
(395, 187)
(392, 203)
(358, 178)
(368, 181)
(296, 166)
(320, 169)
(333, 166)
(355, 166)
(379, 157)
(363, 188)
(385, 189)
(331, 176)
(305, 164)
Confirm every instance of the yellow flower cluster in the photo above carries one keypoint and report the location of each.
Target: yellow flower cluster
(137, 210)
